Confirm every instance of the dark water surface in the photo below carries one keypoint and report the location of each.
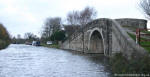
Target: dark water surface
(30, 61)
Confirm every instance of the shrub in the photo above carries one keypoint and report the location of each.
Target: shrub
(4, 37)
(121, 65)
(58, 36)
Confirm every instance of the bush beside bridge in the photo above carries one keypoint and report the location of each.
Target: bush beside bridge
(121, 65)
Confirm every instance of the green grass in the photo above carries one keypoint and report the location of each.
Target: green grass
(50, 46)
(148, 32)
(132, 36)
(141, 43)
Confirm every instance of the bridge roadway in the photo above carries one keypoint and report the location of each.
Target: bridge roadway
(30, 61)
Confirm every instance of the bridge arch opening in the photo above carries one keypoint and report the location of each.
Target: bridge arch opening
(96, 43)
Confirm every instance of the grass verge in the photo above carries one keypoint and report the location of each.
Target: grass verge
(51, 46)
(141, 43)
(148, 32)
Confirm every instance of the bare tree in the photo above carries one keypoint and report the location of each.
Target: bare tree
(145, 5)
(51, 25)
(56, 24)
(30, 36)
(47, 28)
(73, 17)
(87, 15)
(81, 17)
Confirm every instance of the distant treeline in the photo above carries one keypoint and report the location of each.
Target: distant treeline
(4, 37)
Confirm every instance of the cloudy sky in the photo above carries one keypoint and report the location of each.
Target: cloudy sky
(21, 16)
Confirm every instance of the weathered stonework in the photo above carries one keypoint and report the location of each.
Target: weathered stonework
(135, 23)
(103, 36)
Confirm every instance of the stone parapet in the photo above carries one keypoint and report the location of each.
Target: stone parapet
(134, 23)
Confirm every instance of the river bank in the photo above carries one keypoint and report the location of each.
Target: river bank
(51, 46)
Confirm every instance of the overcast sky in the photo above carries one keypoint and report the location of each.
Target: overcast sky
(21, 16)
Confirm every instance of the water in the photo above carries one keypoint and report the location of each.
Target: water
(31, 61)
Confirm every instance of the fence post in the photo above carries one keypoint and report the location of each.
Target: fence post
(137, 36)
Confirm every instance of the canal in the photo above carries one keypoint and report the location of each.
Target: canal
(31, 61)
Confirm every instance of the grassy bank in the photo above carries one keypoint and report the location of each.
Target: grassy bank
(120, 65)
(51, 46)
(142, 43)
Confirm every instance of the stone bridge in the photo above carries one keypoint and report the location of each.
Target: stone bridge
(105, 36)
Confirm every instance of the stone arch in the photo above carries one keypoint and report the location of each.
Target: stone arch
(96, 41)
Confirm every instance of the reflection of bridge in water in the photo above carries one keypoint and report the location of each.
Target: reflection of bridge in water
(106, 36)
